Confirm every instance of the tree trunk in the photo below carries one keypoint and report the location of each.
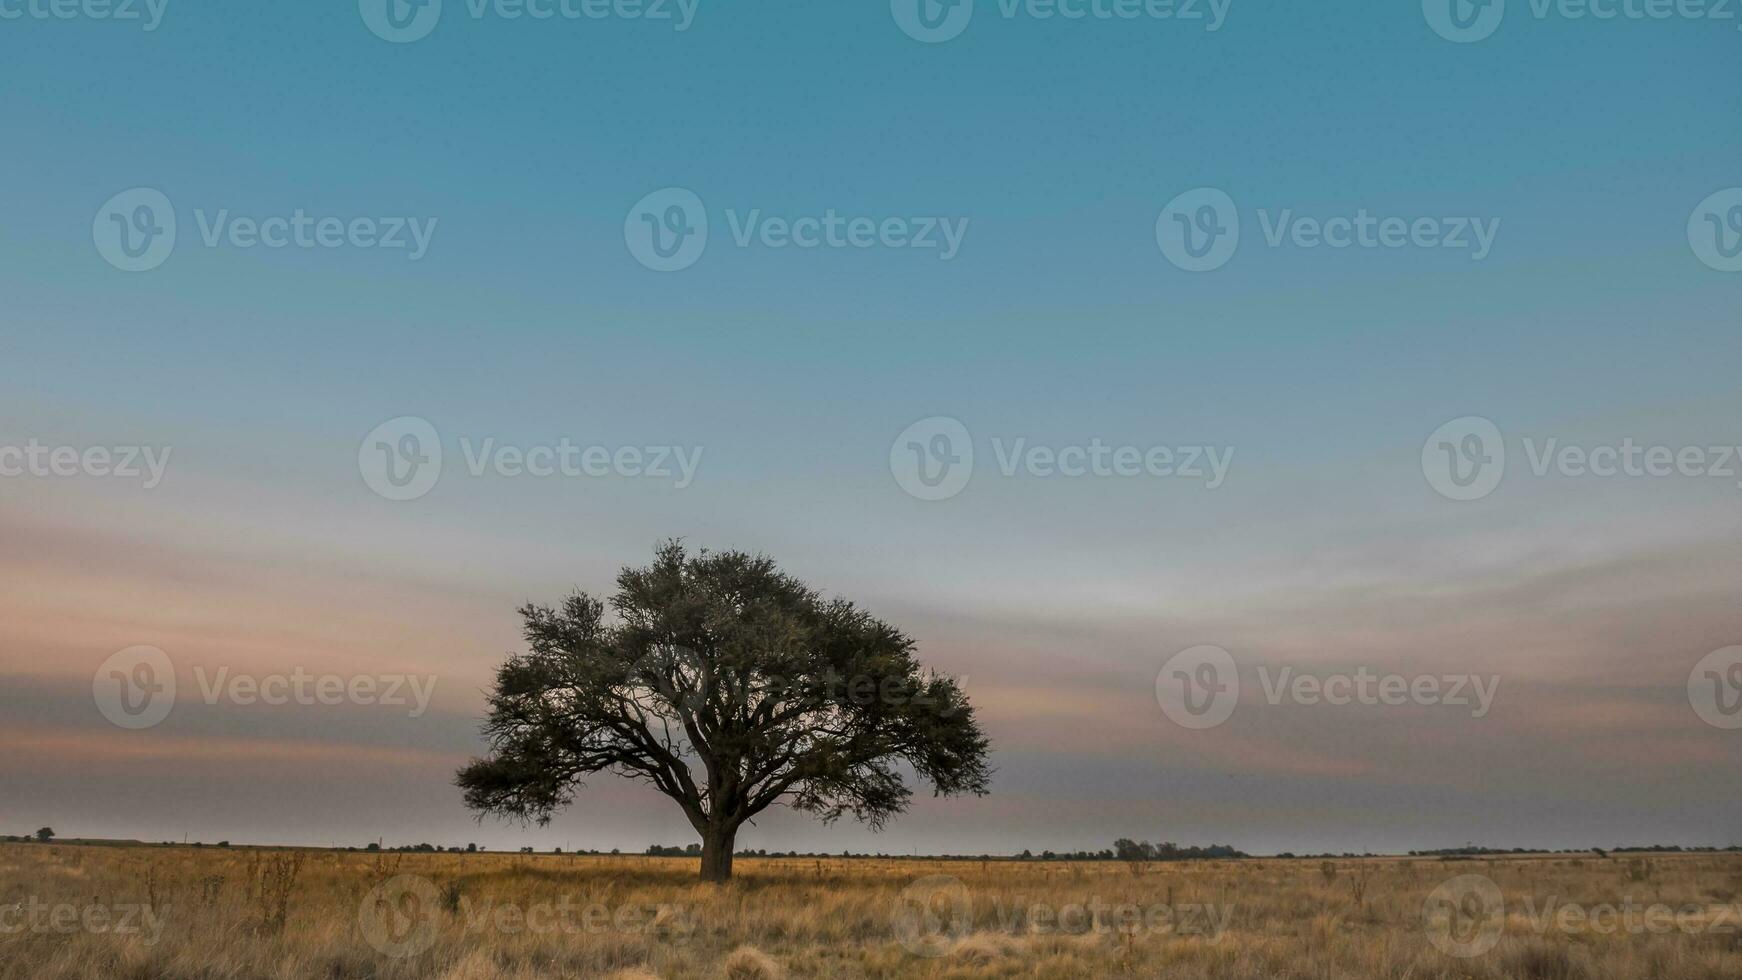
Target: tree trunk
(717, 844)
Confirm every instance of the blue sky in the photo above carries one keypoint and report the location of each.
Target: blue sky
(1060, 321)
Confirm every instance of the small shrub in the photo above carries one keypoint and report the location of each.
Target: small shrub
(750, 963)
(271, 879)
(451, 895)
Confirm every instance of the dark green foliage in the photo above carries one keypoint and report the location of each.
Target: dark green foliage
(730, 686)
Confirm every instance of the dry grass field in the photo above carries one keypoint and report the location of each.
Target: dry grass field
(176, 913)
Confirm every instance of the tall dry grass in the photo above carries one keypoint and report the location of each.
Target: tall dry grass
(241, 914)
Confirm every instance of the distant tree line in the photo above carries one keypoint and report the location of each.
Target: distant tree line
(1123, 849)
(1471, 850)
(419, 849)
(1126, 849)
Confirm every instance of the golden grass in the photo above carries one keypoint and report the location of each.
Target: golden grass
(243, 914)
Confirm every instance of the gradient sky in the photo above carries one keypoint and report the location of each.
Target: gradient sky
(1060, 322)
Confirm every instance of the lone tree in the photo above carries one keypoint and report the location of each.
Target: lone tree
(731, 687)
(45, 834)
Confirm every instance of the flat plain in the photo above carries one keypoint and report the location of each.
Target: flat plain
(209, 913)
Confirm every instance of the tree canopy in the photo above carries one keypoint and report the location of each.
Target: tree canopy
(731, 687)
